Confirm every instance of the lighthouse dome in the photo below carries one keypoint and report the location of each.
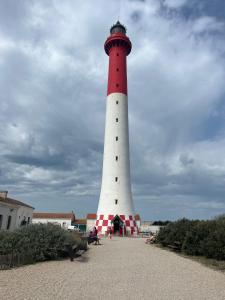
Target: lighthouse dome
(118, 27)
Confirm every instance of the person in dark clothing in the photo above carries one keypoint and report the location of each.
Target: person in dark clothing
(95, 231)
(110, 233)
(93, 237)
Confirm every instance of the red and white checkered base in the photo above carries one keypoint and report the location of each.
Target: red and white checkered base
(104, 223)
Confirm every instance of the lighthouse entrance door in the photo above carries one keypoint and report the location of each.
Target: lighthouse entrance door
(117, 225)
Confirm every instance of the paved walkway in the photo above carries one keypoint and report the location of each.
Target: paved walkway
(122, 268)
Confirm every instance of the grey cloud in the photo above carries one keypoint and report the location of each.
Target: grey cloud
(185, 160)
(52, 112)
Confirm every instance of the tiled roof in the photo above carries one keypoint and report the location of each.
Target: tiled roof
(91, 216)
(80, 221)
(47, 215)
(14, 202)
(137, 217)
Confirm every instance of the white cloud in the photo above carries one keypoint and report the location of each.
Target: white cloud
(207, 24)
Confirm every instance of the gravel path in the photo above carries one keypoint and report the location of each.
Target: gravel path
(123, 268)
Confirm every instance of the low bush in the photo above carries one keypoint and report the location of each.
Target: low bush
(161, 223)
(214, 246)
(205, 238)
(174, 232)
(39, 242)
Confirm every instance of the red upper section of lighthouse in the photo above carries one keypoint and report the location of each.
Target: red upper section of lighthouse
(117, 46)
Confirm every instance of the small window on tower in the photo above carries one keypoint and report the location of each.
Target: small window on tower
(117, 85)
(117, 119)
(116, 158)
(117, 69)
(117, 54)
(117, 138)
(117, 102)
(116, 179)
(116, 201)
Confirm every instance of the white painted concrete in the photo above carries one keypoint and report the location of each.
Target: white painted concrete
(150, 228)
(7, 210)
(112, 168)
(90, 224)
(24, 213)
(18, 214)
(138, 223)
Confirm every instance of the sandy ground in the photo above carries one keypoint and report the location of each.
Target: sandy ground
(123, 268)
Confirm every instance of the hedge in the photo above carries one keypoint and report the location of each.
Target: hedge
(205, 238)
(39, 242)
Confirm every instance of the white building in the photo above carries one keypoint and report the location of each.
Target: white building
(91, 219)
(147, 226)
(13, 213)
(62, 219)
(138, 221)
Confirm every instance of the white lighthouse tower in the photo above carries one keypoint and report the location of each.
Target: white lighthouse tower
(115, 208)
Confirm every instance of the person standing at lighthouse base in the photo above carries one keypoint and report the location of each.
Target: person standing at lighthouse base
(110, 233)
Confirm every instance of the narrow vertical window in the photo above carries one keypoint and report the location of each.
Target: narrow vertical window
(116, 158)
(117, 138)
(8, 222)
(116, 201)
(117, 119)
(116, 179)
(1, 218)
(117, 102)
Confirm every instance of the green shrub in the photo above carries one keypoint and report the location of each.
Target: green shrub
(38, 241)
(205, 238)
(174, 232)
(196, 237)
(214, 246)
(161, 223)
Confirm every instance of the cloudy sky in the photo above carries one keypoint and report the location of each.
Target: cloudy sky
(52, 93)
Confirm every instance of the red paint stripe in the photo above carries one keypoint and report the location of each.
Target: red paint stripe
(117, 77)
(117, 46)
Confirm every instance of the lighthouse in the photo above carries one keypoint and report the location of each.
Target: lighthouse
(115, 208)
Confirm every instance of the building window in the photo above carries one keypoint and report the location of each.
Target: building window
(28, 220)
(23, 222)
(117, 54)
(116, 158)
(116, 201)
(1, 218)
(117, 85)
(116, 179)
(117, 120)
(8, 222)
(117, 69)
(117, 102)
(117, 138)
